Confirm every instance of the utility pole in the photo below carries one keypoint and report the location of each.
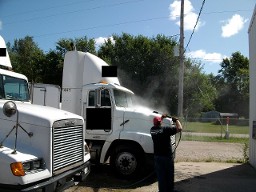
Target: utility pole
(181, 68)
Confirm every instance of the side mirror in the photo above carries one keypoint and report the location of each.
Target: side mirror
(9, 108)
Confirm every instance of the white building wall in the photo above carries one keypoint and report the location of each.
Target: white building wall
(252, 72)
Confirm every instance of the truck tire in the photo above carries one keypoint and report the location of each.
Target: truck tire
(126, 161)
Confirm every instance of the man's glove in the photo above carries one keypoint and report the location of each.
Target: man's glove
(164, 116)
(174, 119)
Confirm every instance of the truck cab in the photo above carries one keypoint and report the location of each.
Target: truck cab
(117, 130)
(41, 148)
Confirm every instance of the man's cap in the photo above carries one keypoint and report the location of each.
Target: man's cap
(157, 120)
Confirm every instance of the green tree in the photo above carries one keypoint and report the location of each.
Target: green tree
(55, 58)
(141, 61)
(149, 68)
(26, 58)
(52, 67)
(79, 44)
(145, 65)
(199, 92)
(233, 85)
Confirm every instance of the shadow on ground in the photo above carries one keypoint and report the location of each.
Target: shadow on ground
(102, 176)
(189, 177)
(238, 178)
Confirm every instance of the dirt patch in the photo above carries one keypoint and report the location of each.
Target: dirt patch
(209, 151)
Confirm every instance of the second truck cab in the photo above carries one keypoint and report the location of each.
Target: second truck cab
(116, 130)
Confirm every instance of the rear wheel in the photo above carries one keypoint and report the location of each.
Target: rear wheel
(126, 161)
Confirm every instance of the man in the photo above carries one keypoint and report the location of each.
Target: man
(164, 164)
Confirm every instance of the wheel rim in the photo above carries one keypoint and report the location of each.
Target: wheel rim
(126, 163)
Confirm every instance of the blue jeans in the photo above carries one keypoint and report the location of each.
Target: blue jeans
(164, 167)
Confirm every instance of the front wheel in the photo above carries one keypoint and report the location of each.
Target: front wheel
(126, 161)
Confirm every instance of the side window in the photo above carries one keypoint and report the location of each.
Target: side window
(15, 88)
(105, 98)
(91, 98)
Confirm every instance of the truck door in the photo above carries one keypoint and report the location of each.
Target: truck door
(98, 112)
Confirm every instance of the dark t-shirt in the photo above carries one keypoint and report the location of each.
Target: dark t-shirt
(161, 139)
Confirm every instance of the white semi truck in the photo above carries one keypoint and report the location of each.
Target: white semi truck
(117, 131)
(41, 148)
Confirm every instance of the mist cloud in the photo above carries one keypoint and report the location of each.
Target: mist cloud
(233, 26)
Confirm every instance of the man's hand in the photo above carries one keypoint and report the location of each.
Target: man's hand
(178, 126)
(164, 116)
(174, 119)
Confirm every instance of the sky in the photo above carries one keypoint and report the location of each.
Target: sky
(213, 29)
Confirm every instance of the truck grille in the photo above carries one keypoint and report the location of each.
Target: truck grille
(68, 144)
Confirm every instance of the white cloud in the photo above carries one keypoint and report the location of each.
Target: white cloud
(209, 57)
(233, 26)
(101, 40)
(190, 16)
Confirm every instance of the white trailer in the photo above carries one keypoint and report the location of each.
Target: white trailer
(252, 67)
(116, 130)
(41, 148)
(45, 94)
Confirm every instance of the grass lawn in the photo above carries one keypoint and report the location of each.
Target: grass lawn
(198, 127)
(215, 139)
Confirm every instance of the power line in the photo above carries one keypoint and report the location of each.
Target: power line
(195, 25)
(112, 25)
(121, 23)
(94, 8)
(43, 9)
(103, 26)
(227, 11)
(74, 11)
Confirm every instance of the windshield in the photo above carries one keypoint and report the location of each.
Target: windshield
(12, 88)
(123, 99)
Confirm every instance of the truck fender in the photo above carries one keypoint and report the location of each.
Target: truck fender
(5, 168)
(142, 139)
(114, 136)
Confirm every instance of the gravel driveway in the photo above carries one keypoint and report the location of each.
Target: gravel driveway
(101, 179)
(209, 151)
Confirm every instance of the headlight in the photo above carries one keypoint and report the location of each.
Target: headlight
(17, 169)
(22, 168)
(37, 164)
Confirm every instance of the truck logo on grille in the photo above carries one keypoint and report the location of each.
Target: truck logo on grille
(69, 123)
